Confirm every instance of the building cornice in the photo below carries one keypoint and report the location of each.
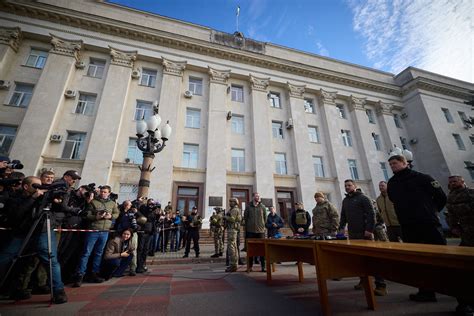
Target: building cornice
(134, 32)
(436, 86)
(11, 36)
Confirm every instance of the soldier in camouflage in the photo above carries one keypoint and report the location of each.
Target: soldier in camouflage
(233, 219)
(460, 218)
(325, 216)
(217, 227)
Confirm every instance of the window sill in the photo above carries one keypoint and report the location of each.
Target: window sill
(33, 67)
(15, 106)
(142, 85)
(92, 77)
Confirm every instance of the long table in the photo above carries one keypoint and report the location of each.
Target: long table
(445, 269)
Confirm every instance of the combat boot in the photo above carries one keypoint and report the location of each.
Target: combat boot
(220, 254)
(216, 255)
(231, 269)
(59, 297)
(77, 280)
(95, 278)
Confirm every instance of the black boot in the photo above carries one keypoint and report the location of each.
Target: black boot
(216, 255)
(77, 280)
(95, 278)
(59, 297)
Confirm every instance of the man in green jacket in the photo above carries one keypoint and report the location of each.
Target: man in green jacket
(255, 218)
(100, 212)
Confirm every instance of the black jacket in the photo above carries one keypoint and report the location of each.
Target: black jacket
(416, 198)
(358, 213)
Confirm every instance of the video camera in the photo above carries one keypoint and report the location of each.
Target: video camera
(55, 191)
(90, 188)
(15, 164)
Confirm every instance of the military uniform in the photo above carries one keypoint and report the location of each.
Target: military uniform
(217, 227)
(233, 219)
(193, 225)
(387, 211)
(460, 214)
(325, 219)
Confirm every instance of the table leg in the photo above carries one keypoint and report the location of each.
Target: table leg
(369, 291)
(300, 271)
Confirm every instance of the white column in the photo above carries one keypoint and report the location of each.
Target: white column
(300, 140)
(339, 168)
(264, 158)
(10, 40)
(104, 137)
(365, 143)
(170, 100)
(46, 103)
(388, 128)
(216, 139)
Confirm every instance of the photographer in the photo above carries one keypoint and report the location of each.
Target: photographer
(100, 212)
(145, 237)
(24, 207)
(118, 254)
(128, 220)
(193, 224)
(71, 243)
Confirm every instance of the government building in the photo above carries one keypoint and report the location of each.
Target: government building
(247, 116)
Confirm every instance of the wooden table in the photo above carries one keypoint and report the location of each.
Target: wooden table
(445, 269)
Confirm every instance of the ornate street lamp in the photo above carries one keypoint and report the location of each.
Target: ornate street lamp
(149, 135)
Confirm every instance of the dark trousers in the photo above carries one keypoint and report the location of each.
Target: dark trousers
(193, 234)
(255, 235)
(142, 250)
(394, 233)
(116, 267)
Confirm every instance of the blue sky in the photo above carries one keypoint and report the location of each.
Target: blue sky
(390, 35)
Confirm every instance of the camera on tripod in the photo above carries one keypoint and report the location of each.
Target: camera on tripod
(15, 164)
(90, 189)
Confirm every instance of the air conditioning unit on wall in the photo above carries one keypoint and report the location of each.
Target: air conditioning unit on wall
(4, 84)
(56, 138)
(289, 123)
(80, 65)
(69, 93)
(188, 94)
(136, 74)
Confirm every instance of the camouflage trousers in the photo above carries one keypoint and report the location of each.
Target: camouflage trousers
(380, 234)
(232, 249)
(218, 243)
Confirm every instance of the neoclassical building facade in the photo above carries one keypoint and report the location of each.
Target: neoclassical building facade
(247, 116)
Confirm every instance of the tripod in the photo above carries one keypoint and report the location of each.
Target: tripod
(45, 214)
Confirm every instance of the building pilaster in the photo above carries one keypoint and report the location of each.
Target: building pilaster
(388, 128)
(300, 142)
(45, 105)
(170, 100)
(330, 115)
(10, 41)
(263, 152)
(216, 138)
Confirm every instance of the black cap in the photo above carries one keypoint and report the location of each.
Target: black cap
(195, 208)
(73, 174)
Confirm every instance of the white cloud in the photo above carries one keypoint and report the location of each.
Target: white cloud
(437, 36)
(321, 49)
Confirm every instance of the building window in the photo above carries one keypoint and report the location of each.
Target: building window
(74, 145)
(403, 141)
(353, 169)
(7, 136)
(470, 169)
(21, 97)
(193, 118)
(143, 110)
(96, 68)
(127, 192)
(309, 106)
(346, 137)
(463, 117)
(318, 166)
(377, 142)
(86, 104)
(190, 156)
(37, 58)
(341, 110)
(134, 154)
(280, 164)
(237, 93)
(383, 166)
(195, 85)
(459, 142)
(238, 160)
(396, 119)
(275, 100)
(237, 124)
(313, 134)
(277, 130)
(370, 116)
(148, 78)
(447, 115)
